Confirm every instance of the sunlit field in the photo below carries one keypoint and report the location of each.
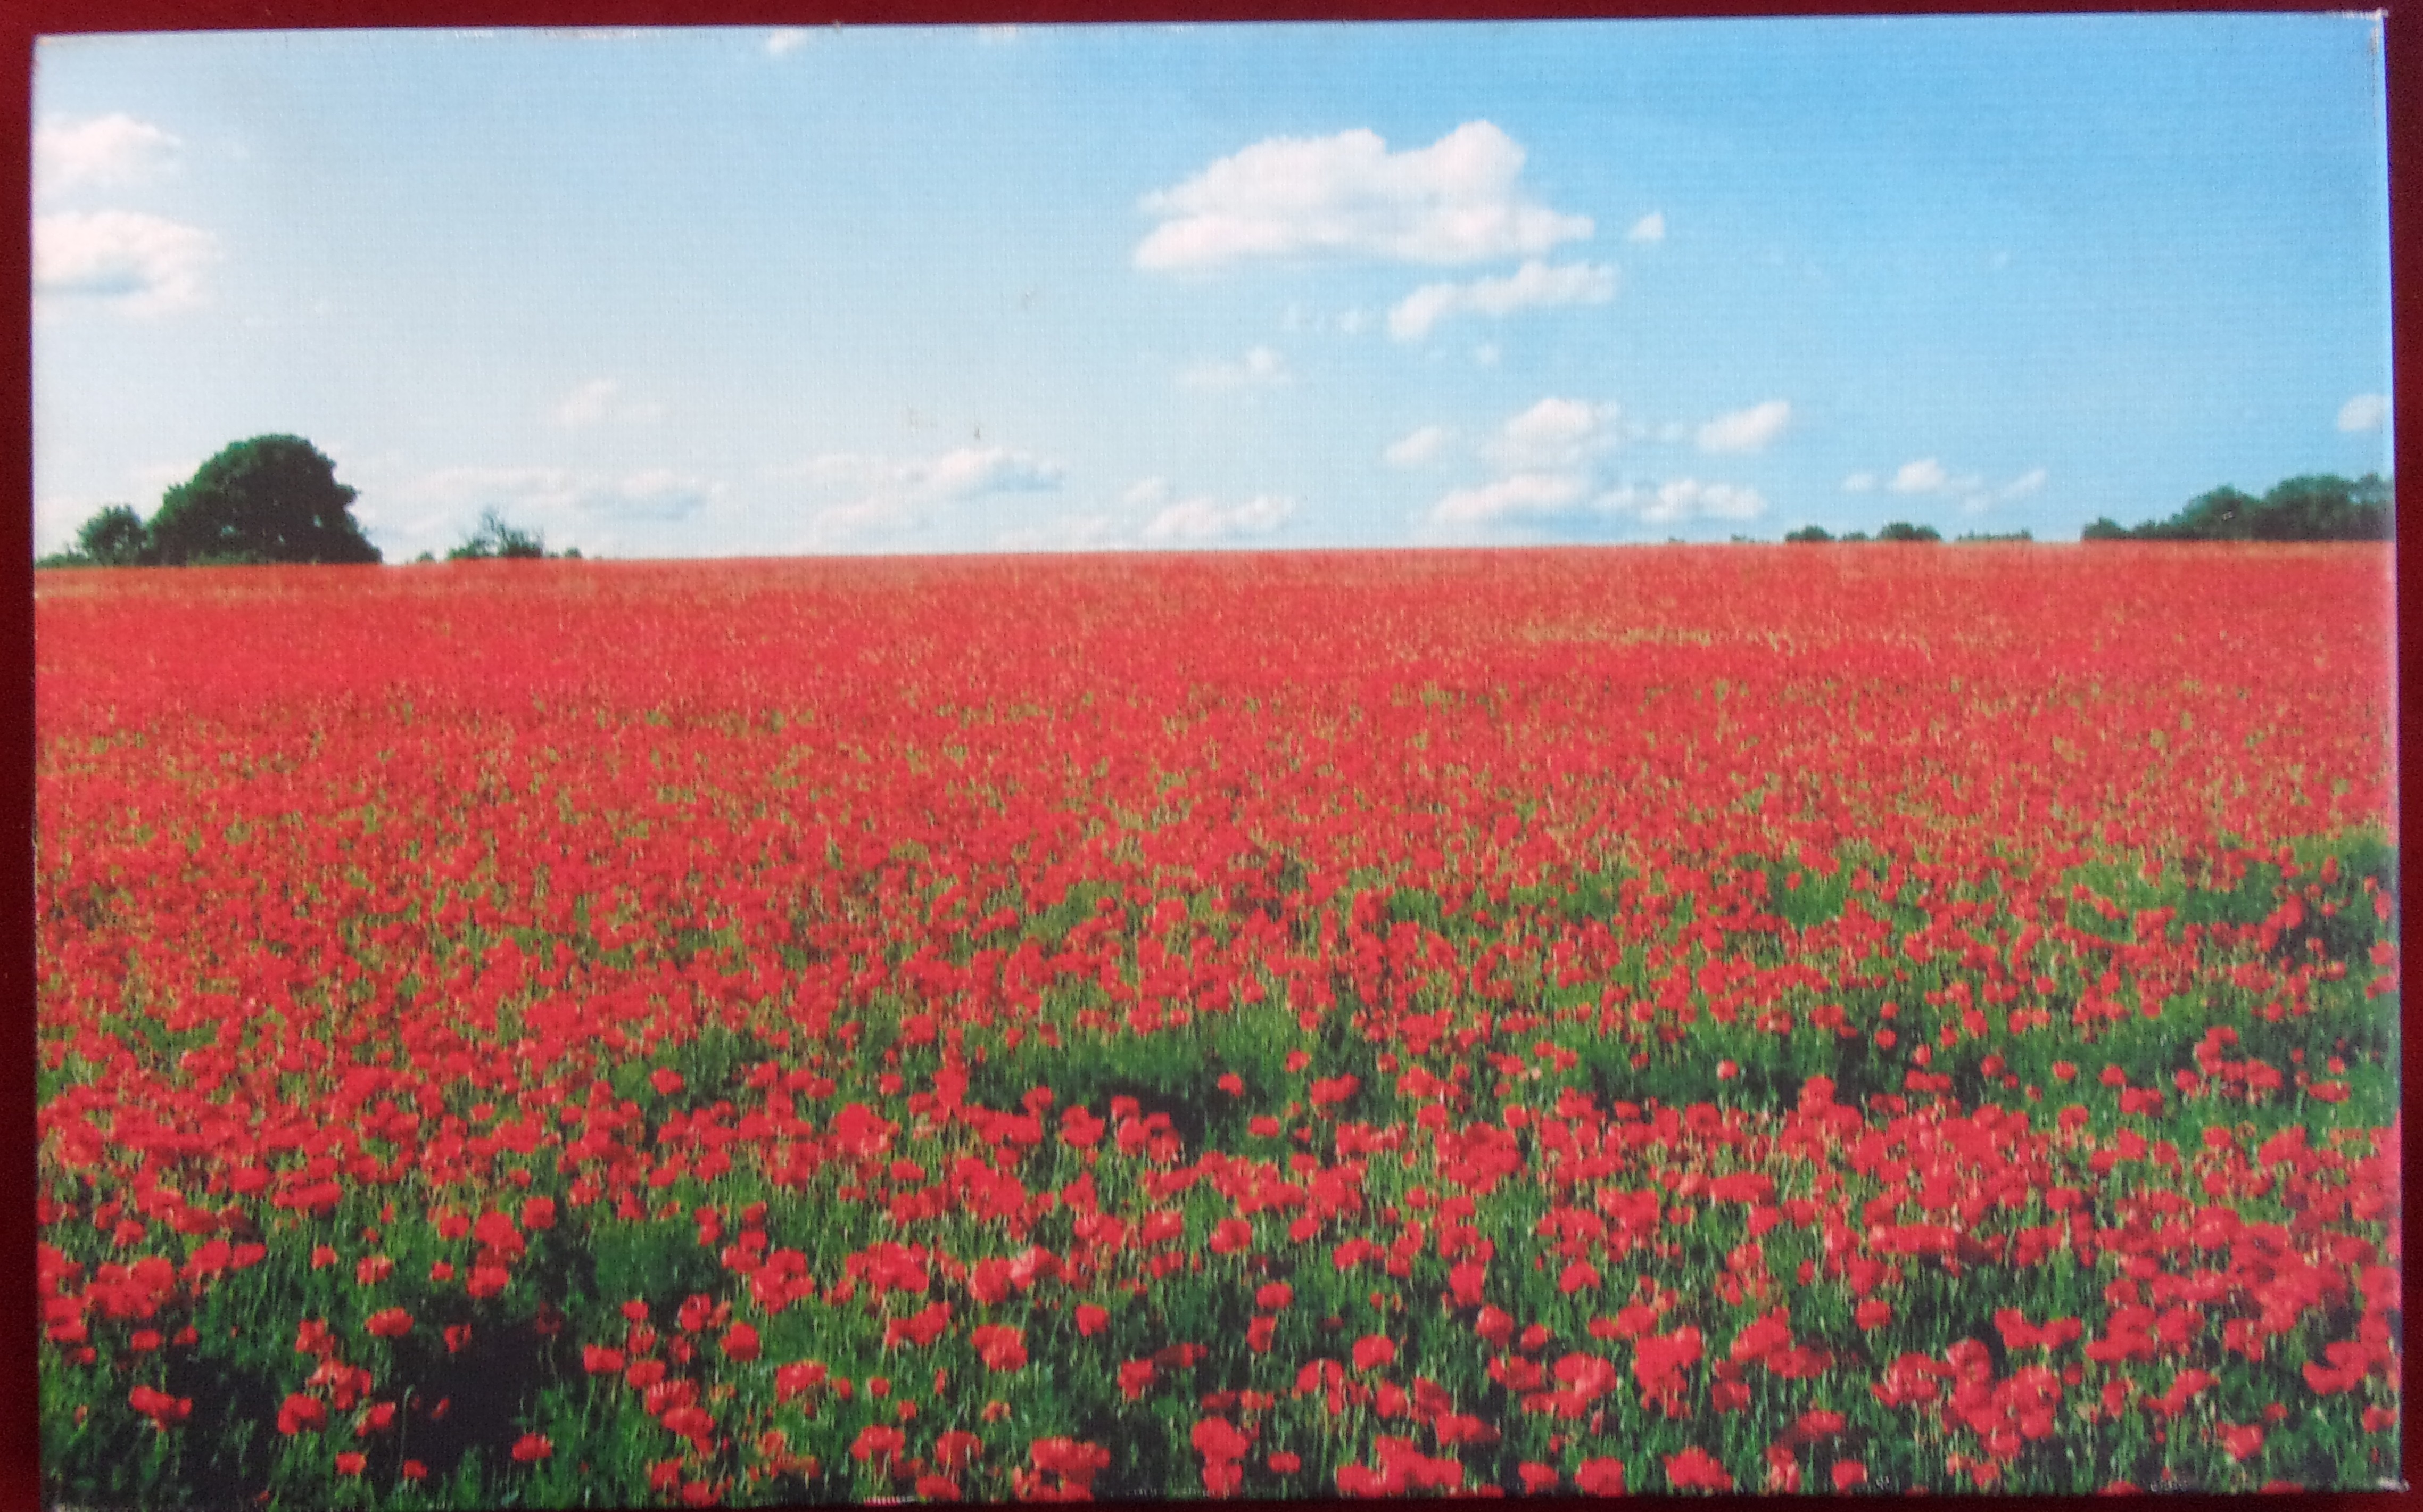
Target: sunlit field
(1759, 1018)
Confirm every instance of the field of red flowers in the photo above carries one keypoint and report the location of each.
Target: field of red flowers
(1792, 1019)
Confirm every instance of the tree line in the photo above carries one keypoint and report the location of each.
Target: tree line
(272, 498)
(2312, 507)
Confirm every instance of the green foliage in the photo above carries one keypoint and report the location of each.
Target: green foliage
(270, 499)
(1900, 530)
(114, 538)
(496, 539)
(2309, 507)
(1984, 536)
(1808, 534)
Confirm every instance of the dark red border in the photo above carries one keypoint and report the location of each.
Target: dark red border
(20, 1475)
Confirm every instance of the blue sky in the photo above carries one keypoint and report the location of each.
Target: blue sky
(867, 289)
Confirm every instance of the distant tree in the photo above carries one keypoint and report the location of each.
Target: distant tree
(2319, 507)
(492, 537)
(1984, 536)
(1903, 531)
(1808, 533)
(270, 499)
(2310, 507)
(115, 536)
(1852, 537)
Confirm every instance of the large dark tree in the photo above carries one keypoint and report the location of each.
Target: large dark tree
(271, 499)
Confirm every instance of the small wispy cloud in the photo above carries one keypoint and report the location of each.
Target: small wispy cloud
(601, 401)
(1200, 521)
(1860, 483)
(894, 495)
(1534, 285)
(1746, 430)
(1649, 227)
(1520, 497)
(1262, 368)
(2364, 412)
(784, 41)
(1921, 476)
(1416, 448)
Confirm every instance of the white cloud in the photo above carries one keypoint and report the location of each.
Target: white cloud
(1925, 475)
(1146, 492)
(890, 495)
(972, 470)
(109, 151)
(1535, 284)
(996, 35)
(1261, 367)
(600, 401)
(139, 264)
(1546, 498)
(2025, 484)
(1683, 499)
(1649, 227)
(2364, 412)
(1746, 430)
(1521, 496)
(1456, 200)
(1860, 483)
(566, 505)
(1555, 434)
(1201, 520)
(784, 41)
(1418, 447)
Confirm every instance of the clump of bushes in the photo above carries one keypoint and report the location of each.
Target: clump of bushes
(2311, 507)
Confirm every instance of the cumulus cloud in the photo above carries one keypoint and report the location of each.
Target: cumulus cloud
(1649, 227)
(1556, 433)
(136, 263)
(110, 151)
(599, 402)
(1746, 430)
(1262, 368)
(1416, 448)
(1200, 520)
(1534, 285)
(1456, 200)
(1860, 483)
(2364, 412)
(784, 41)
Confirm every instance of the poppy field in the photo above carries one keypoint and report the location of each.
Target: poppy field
(1766, 1018)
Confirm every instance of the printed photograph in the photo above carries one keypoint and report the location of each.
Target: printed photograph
(842, 764)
